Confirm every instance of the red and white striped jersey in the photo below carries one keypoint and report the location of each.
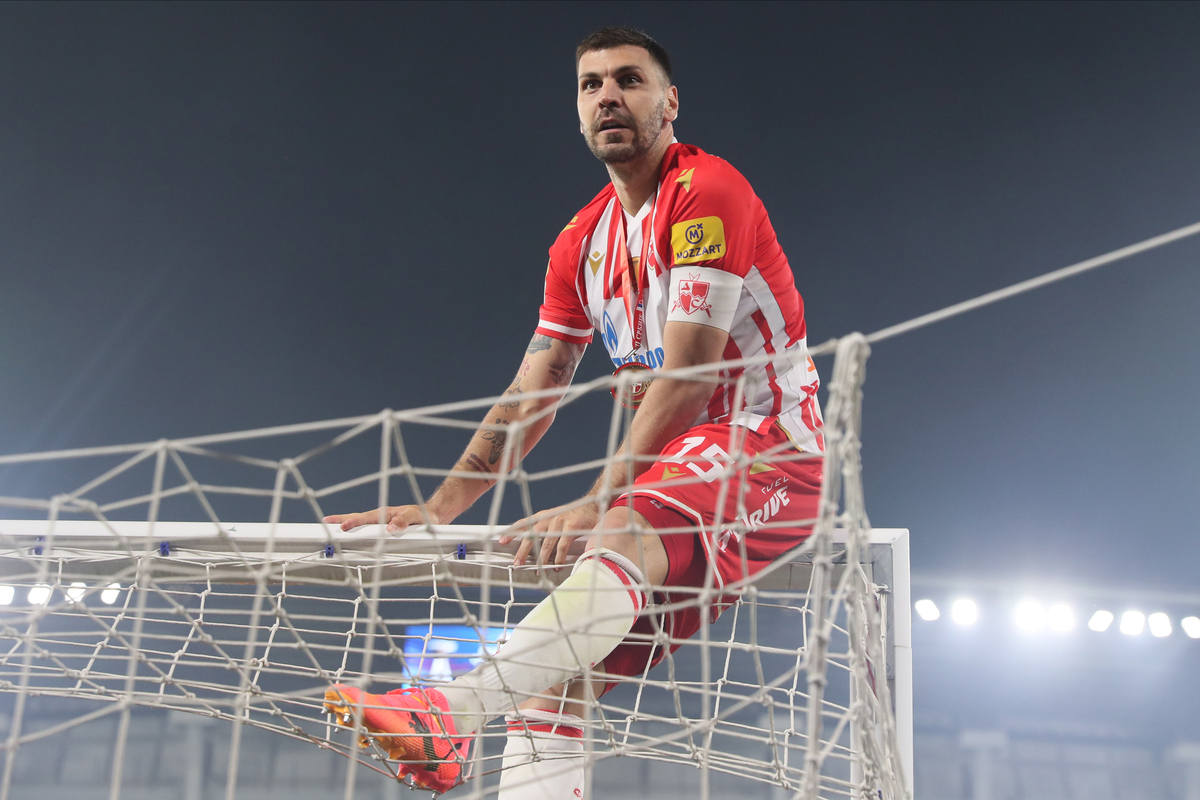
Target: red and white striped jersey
(704, 251)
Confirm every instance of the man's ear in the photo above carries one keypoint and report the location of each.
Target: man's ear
(672, 110)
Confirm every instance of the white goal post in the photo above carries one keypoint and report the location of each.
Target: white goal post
(58, 574)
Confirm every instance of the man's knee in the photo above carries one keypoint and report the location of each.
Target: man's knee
(628, 533)
(569, 697)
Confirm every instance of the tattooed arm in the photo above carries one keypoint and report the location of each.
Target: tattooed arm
(548, 364)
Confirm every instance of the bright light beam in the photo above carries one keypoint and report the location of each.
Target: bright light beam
(77, 591)
(964, 611)
(1030, 616)
(1191, 626)
(1133, 623)
(39, 595)
(6, 595)
(110, 595)
(1060, 618)
(1100, 621)
(927, 610)
(1160, 625)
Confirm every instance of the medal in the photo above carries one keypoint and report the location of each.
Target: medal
(633, 283)
(634, 278)
(631, 394)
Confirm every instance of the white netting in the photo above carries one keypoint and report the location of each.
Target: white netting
(195, 575)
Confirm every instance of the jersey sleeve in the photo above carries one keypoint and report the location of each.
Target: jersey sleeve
(713, 234)
(561, 315)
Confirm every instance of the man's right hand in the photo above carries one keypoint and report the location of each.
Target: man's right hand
(397, 517)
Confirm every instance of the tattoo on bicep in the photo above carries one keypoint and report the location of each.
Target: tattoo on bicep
(561, 372)
(539, 343)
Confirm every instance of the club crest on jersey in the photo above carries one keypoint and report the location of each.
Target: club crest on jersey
(696, 240)
(693, 296)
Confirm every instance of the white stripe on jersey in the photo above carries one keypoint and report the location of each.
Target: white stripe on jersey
(554, 326)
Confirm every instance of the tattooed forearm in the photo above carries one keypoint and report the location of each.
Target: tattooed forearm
(539, 343)
(474, 463)
(512, 405)
(497, 439)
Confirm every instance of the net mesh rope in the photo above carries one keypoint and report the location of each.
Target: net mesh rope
(136, 588)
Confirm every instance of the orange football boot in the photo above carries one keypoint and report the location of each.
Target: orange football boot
(414, 726)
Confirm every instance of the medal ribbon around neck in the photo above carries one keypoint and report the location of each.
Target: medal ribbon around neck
(632, 283)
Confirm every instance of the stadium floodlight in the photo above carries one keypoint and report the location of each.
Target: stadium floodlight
(39, 595)
(1191, 626)
(1133, 623)
(6, 595)
(77, 590)
(1160, 624)
(1100, 621)
(964, 611)
(110, 595)
(1060, 618)
(927, 610)
(1030, 616)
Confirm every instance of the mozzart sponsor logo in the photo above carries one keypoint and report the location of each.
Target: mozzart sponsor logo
(696, 240)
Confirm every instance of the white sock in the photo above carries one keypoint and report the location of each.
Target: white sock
(557, 771)
(575, 627)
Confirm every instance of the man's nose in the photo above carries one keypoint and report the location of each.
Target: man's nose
(610, 94)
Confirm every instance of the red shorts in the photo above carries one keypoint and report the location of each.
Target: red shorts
(717, 528)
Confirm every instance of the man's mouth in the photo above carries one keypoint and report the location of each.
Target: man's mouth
(612, 125)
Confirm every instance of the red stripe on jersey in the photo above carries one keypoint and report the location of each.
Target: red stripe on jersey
(569, 731)
(795, 336)
(765, 330)
(647, 237)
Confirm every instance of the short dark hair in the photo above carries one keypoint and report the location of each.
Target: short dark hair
(608, 38)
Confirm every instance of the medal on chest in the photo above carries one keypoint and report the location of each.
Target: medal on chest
(631, 392)
(633, 282)
(634, 286)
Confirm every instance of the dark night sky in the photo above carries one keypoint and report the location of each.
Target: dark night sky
(218, 217)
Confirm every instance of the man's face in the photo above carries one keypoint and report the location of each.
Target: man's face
(625, 103)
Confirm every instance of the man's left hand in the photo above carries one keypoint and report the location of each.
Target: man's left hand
(558, 528)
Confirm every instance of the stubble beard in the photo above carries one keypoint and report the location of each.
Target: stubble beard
(645, 134)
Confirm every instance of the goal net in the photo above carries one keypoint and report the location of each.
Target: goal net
(196, 576)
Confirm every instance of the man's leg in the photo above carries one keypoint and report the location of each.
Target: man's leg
(544, 754)
(574, 628)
